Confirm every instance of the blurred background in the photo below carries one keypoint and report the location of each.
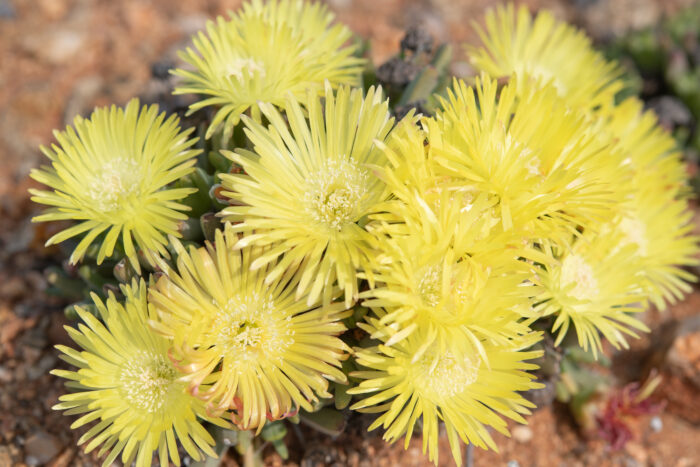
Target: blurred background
(60, 58)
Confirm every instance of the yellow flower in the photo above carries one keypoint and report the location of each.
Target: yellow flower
(263, 352)
(307, 188)
(451, 382)
(661, 228)
(547, 51)
(654, 215)
(410, 170)
(440, 263)
(531, 154)
(262, 54)
(423, 200)
(110, 173)
(127, 382)
(423, 286)
(648, 151)
(448, 305)
(595, 285)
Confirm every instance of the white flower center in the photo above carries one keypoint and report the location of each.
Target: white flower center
(335, 194)
(149, 381)
(575, 270)
(248, 328)
(116, 181)
(240, 67)
(635, 233)
(445, 375)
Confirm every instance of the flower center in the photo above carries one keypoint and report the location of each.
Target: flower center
(445, 306)
(115, 182)
(575, 270)
(336, 193)
(445, 375)
(149, 382)
(247, 328)
(240, 67)
(635, 233)
(430, 285)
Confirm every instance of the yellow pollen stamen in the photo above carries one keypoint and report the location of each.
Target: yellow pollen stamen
(115, 182)
(238, 66)
(149, 381)
(445, 375)
(635, 233)
(336, 193)
(247, 328)
(430, 285)
(576, 270)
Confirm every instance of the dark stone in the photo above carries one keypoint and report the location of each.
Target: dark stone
(582, 4)
(396, 72)
(161, 69)
(401, 111)
(417, 40)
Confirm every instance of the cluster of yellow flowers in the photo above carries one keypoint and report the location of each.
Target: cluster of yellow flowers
(530, 193)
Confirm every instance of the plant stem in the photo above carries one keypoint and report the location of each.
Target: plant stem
(469, 455)
(249, 455)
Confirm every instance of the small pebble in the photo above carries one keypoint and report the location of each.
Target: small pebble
(64, 459)
(189, 24)
(57, 46)
(13, 288)
(522, 434)
(40, 448)
(656, 424)
(5, 376)
(513, 464)
(80, 99)
(7, 10)
(340, 3)
(5, 456)
(462, 69)
(44, 365)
